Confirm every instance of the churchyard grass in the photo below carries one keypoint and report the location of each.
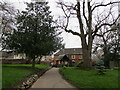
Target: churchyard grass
(14, 73)
(90, 79)
(28, 65)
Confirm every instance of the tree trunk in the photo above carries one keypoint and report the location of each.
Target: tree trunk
(87, 65)
(106, 56)
(33, 63)
(39, 61)
(86, 49)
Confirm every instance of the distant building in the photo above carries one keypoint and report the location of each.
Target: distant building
(69, 54)
(9, 57)
(46, 58)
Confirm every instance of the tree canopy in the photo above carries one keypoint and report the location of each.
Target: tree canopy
(36, 34)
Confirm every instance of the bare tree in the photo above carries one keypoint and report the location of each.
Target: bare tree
(7, 18)
(109, 44)
(85, 11)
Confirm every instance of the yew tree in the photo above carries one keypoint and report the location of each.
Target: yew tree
(85, 11)
(36, 34)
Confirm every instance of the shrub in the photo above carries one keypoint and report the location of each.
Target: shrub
(101, 68)
(79, 64)
(116, 68)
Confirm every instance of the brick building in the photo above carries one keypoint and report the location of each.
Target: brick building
(74, 54)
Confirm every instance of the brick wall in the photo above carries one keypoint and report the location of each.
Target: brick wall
(55, 57)
(77, 58)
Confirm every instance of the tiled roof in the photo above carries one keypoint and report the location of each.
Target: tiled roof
(69, 51)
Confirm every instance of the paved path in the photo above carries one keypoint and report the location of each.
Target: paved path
(52, 79)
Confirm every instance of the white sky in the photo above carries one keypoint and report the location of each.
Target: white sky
(70, 40)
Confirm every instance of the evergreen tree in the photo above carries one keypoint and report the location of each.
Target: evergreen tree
(35, 35)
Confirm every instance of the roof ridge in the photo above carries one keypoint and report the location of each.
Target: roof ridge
(70, 51)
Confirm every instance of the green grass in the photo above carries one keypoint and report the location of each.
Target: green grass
(28, 65)
(90, 79)
(14, 73)
(0, 77)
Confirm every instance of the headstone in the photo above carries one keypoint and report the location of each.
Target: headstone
(111, 64)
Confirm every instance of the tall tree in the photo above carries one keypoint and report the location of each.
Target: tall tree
(85, 11)
(35, 35)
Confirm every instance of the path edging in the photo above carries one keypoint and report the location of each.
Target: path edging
(31, 80)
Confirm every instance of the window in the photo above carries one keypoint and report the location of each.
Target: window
(80, 57)
(73, 56)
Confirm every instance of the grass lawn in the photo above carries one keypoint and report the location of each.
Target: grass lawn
(28, 65)
(0, 77)
(90, 79)
(14, 73)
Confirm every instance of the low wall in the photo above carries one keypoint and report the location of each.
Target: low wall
(13, 61)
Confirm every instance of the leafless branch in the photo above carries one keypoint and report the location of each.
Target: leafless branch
(69, 30)
(100, 5)
(101, 35)
(84, 13)
(108, 24)
(109, 31)
(100, 21)
(64, 27)
(105, 24)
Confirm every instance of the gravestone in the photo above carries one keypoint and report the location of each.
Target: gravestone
(112, 65)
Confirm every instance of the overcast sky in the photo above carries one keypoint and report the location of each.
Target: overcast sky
(70, 40)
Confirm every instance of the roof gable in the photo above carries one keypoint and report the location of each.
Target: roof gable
(62, 58)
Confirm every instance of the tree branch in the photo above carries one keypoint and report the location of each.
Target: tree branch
(64, 27)
(70, 31)
(74, 33)
(64, 10)
(104, 5)
(105, 17)
(79, 18)
(105, 24)
(101, 35)
(84, 13)
(109, 31)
